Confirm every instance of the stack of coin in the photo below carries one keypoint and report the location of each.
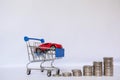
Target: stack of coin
(108, 66)
(87, 70)
(56, 75)
(66, 74)
(76, 72)
(97, 68)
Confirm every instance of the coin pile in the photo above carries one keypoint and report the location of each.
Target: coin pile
(108, 66)
(66, 74)
(97, 68)
(76, 72)
(87, 70)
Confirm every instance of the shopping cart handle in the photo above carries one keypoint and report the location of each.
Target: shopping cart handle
(27, 39)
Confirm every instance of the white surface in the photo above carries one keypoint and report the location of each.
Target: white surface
(88, 29)
(19, 73)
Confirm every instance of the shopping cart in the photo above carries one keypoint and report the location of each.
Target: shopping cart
(48, 55)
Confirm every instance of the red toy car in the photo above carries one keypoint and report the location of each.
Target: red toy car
(47, 46)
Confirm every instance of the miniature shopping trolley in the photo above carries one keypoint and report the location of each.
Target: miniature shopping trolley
(39, 51)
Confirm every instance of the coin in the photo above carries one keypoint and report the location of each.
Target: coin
(66, 74)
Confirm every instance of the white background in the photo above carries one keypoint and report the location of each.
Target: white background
(88, 29)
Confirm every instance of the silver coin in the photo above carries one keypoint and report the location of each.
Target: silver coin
(66, 74)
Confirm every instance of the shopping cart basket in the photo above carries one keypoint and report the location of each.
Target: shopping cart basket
(48, 55)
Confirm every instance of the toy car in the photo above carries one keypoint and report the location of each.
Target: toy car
(47, 46)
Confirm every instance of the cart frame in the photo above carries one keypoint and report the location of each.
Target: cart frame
(49, 56)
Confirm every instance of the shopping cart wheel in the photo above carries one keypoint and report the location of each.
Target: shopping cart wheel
(49, 73)
(28, 71)
(58, 72)
(42, 70)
